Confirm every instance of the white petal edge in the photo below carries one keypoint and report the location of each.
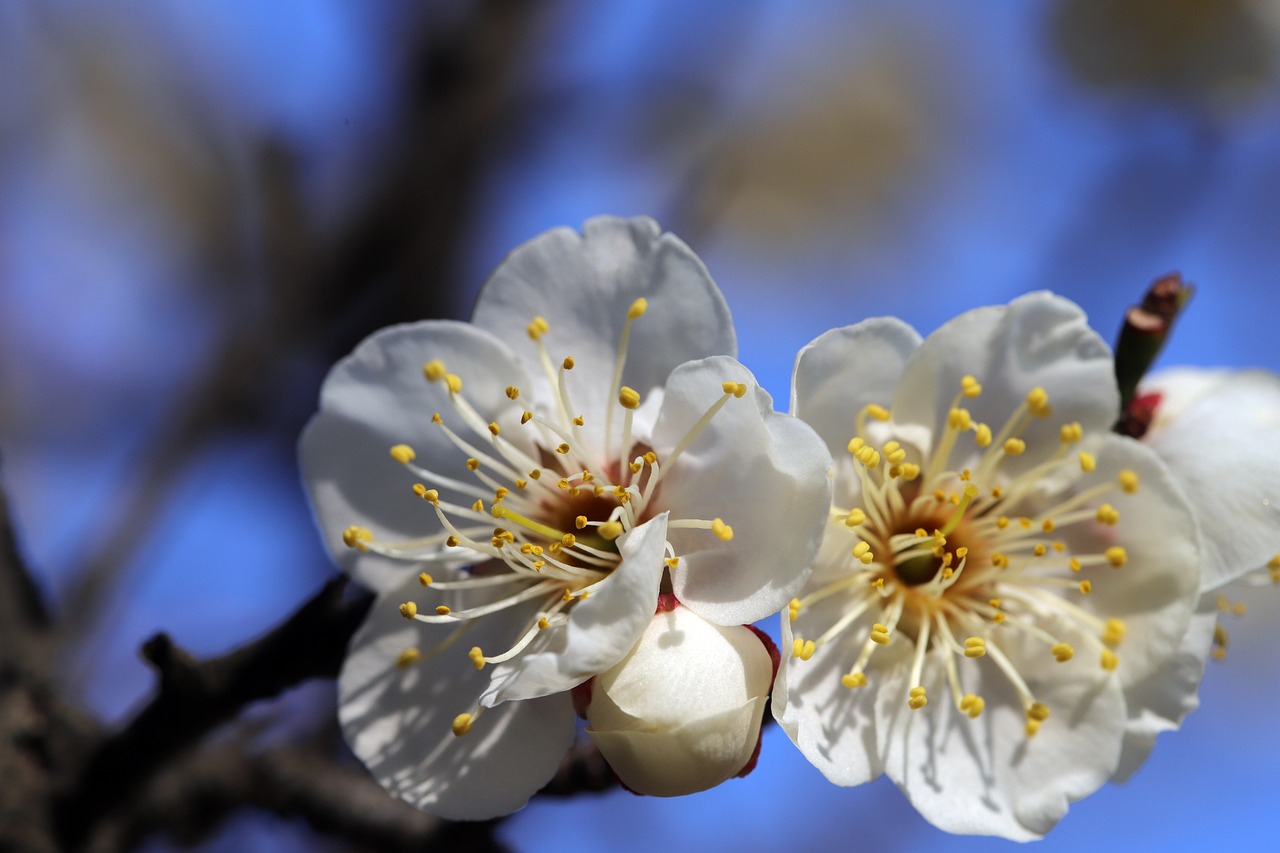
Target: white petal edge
(1160, 702)
(1222, 448)
(1037, 340)
(377, 397)
(584, 284)
(766, 474)
(398, 721)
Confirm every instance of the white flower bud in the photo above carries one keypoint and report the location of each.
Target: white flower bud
(681, 713)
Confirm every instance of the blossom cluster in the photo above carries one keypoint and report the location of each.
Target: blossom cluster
(576, 505)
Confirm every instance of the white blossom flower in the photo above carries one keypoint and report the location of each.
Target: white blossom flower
(993, 554)
(1218, 431)
(682, 711)
(519, 488)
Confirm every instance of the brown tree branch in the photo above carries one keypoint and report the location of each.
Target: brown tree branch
(195, 696)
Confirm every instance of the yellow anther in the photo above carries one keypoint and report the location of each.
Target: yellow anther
(579, 420)
(1221, 641)
(567, 595)
(1109, 660)
(651, 458)
(462, 724)
(803, 649)
(568, 540)
(442, 610)
(729, 388)
(969, 386)
(520, 484)
(1087, 462)
(1060, 546)
(434, 370)
(580, 522)
(1074, 564)
(1039, 550)
(1002, 522)
(494, 428)
(916, 698)
(403, 454)
(672, 562)
(357, 537)
(477, 657)
(878, 583)
(537, 328)
(562, 448)
(972, 704)
(637, 309)
(1070, 433)
(567, 364)
(543, 623)
(1274, 562)
(854, 679)
(855, 444)
(454, 383)
(452, 542)
(1128, 481)
(473, 464)
(1014, 447)
(610, 530)
(998, 617)
(512, 392)
(419, 490)
(855, 517)
(1062, 652)
(975, 647)
(877, 412)
(635, 467)
(959, 419)
(722, 531)
(861, 549)
(409, 609)
(525, 418)
(1038, 711)
(425, 579)
(1038, 403)
(982, 435)
(1047, 526)
(1086, 587)
(408, 657)
(1000, 561)
(535, 474)
(1116, 556)
(793, 609)
(909, 471)
(436, 419)
(879, 634)
(894, 453)
(629, 398)
(869, 456)
(500, 493)
(1108, 515)
(1113, 632)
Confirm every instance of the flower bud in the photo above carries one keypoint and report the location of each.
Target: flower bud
(681, 713)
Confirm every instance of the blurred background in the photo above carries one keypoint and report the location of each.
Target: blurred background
(203, 205)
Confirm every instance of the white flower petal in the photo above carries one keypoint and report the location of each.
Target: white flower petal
(1038, 340)
(1219, 438)
(584, 284)
(601, 629)
(985, 776)
(376, 398)
(398, 721)
(682, 711)
(1159, 702)
(843, 370)
(764, 473)
(833, 725)
(1155, 592)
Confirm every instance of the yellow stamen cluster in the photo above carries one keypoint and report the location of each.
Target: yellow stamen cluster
(962, 561)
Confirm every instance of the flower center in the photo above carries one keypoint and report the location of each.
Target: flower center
(978, 553)
(539, 517)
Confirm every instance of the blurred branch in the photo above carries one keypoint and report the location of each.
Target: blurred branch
(22, 612)
(195, 696)
(191, 798)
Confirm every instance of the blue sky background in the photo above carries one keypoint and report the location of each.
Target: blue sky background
(828, 160)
